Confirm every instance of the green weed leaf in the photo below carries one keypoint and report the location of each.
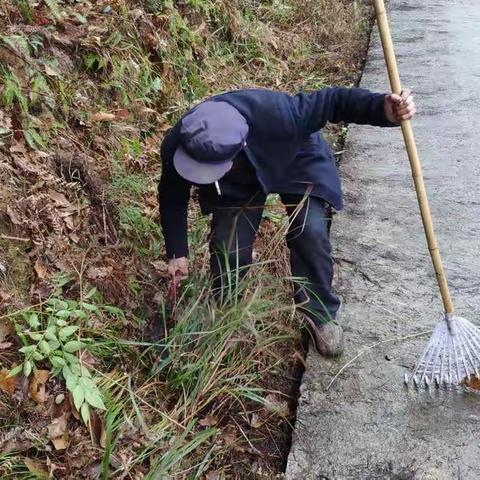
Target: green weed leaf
(78, 396)
(85, 413)
(57, 362)
(15, 371)
(73, 346)
(90, 293)
(33, 321)
(27, 368)
(35, 336)
(66, 332)
(44, 347)
(94, 399)
(70, 379)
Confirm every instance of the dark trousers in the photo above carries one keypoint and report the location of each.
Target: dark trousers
(233, 230)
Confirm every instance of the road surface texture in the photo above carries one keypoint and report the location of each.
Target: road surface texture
(368, 425)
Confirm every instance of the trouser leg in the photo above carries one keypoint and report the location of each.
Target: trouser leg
(310, 256)
(233, 232)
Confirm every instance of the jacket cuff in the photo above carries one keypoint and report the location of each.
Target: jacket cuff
(378, 111)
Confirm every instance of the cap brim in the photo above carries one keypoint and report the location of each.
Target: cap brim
(199, 172)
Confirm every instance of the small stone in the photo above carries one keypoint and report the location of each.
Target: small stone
(59, 398)
(107, 9)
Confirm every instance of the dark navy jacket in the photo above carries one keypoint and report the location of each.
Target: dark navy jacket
(284, 145)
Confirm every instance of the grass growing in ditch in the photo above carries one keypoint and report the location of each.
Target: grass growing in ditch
(168, 406)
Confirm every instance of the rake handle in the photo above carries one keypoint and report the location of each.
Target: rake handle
(409, 139)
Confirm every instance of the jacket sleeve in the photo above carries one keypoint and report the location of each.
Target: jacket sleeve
(313, 110)
(173, 198)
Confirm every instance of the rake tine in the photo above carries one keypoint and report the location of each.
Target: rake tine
(449, 374)
(422, 360)
(471, 347)
(474, 332)
(454, 342)
(431, 362)
(463, 339)
(442, 365)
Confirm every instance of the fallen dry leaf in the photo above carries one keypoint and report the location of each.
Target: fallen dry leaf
(5, 345)
(473, 383)
(102, 117)
(255, 421)
(18, 147)
(14, 218)
(58, 432)
(40, 269)
(60, 199)
(98, 272)
(37, 389)
(38, 468)
(208, 421)
(7, 384)
(274, 404)
(6, 329)
(213, 475)
(97, 429)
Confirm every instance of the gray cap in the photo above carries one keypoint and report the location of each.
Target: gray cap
(211, 136)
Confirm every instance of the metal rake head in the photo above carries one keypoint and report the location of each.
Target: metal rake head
(451, 356)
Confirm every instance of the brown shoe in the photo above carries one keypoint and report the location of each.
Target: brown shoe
(328, 338)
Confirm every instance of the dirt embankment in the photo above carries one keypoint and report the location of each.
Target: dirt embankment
(87, 90)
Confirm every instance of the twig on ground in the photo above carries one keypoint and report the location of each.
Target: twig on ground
(17, 239)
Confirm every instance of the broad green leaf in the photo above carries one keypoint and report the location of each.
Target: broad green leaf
(78, 396)
(72, 359)
(50, 334)
(44, 347)
(87, 384)
(54, 344)
(35, 336)
(85, 413)
(15, 371)
(90, 293)
(73, 346)
(57, 362)
(70, 379)
(157, 84)
(61, 323)
(82, 19)
(37, 356)
(66, 332)
(89, 306)
(27, 368)
(94, 399)
(114, 310)
(57, 304)
(33, 321)
(79, 314)
(28, 349)
(63, 313)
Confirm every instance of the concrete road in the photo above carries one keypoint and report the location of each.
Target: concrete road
(368, 425)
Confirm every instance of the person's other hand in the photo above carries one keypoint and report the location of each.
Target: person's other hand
(399, 107)
(178, 267)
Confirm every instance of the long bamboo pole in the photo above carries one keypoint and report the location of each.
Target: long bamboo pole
(415, 164)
